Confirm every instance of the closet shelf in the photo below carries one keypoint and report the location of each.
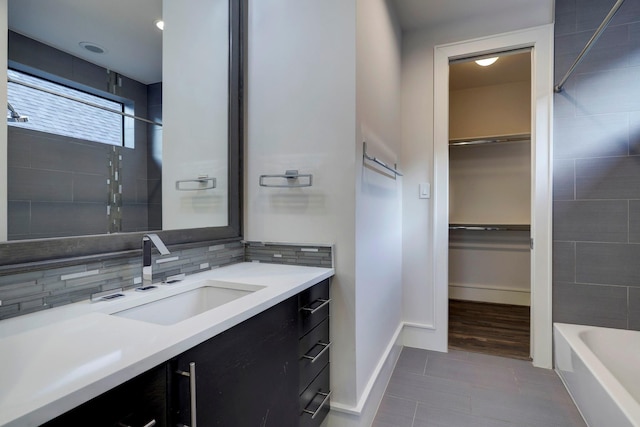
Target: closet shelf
(490, 227)
(501, 139)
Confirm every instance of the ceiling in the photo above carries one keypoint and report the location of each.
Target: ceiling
(446, 21)
(507, 69)
(133, 45)
(124, 28)
(418, 14)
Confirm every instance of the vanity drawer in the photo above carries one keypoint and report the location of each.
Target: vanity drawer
(314, 353)
(314, 306)
(314, 401)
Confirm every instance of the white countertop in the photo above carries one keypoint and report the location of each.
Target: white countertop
(56, 359)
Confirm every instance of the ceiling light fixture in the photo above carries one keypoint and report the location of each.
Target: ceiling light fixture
(92, 47)
(160, 24)
(486, 61)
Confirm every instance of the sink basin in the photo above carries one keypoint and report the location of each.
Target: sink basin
(182, 306)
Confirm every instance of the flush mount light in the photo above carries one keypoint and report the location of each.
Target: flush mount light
(160, 24)
(92, 47)
(486, 61)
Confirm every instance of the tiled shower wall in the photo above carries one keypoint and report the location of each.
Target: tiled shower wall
(596, 211)
(44, 288)
(52, 178)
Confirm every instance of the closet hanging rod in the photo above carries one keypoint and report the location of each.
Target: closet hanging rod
(489, 140)
(558, 88)
(379, 162)
(490, 227)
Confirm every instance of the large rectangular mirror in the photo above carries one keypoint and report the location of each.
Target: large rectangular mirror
(116, 127)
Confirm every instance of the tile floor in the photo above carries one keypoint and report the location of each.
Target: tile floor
(462, 389)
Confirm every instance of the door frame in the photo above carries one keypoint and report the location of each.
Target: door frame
(540, 40)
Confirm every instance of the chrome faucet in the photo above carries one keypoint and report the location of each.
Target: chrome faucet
(149, 240)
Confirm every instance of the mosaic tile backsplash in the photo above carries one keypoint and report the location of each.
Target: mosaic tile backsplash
(27, 292)
(277, 253)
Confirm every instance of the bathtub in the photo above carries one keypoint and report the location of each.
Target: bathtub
(600, 367)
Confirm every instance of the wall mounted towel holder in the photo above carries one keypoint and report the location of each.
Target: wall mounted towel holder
(292, 180)
(202, 182)
(375, 160)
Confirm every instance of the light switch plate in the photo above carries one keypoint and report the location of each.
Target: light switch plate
(425, 190)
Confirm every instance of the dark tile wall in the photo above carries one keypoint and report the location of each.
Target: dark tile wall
(596, 212)
(153, 184)
(46, 168)
(53, 178)
(43, 288)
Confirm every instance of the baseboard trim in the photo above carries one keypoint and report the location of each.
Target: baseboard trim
(364, 412)
(424, 336)
(496, 295)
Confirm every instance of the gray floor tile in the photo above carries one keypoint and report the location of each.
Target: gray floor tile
(499, 361)
(520, 408)
(486, 375)
(452, 354)
(433, 390)
(412, 360)
(395, 412)
(433, 416)
(460, 389)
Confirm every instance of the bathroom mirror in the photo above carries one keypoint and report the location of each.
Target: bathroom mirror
(188, 185)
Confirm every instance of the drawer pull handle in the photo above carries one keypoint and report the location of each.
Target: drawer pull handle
(192, 390)
(313, 310)
(324, 402)
(326, 346)
(149, 424)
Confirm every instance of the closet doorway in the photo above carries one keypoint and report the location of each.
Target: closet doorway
(490, 168)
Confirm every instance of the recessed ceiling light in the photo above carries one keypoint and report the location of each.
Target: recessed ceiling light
(160, 24)
(92, 47)
(487, 61)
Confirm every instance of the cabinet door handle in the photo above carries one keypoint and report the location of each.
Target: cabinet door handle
(192, 391)
(326, 346)
(313, 310)
(324, 402)
(149, 424)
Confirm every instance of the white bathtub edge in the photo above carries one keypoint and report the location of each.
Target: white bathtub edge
(598, 395)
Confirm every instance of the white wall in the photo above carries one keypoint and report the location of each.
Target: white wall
(301, 115)
(490, 184)
(3, 127)
(195, 100)
(378, 194)
(493, 110)
(420, 295)
(313, 80)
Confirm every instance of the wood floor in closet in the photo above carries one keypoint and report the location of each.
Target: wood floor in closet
(498, 329)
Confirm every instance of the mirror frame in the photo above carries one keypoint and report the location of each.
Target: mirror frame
(22, 254)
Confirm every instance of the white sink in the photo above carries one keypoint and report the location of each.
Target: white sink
(182, 306)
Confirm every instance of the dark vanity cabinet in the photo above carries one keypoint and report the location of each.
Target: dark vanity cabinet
(313, 354)
(270, 370)
(139, 402)
(245, 376)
